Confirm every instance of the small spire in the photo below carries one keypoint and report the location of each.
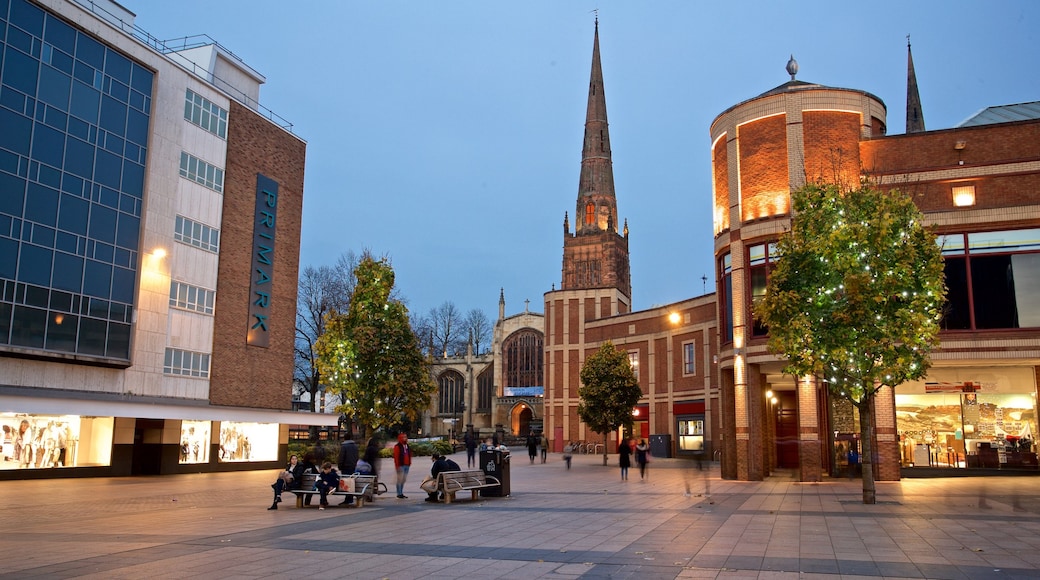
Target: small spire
(626, 227)
(501, 303)
(566, 224)
(914, 112)
(792, 67)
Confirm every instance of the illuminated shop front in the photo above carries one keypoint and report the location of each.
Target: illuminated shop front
(55, 441)
(969, 418)
(108, 436)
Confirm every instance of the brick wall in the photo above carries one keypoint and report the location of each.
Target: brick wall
(764, 186)
(831, 146)
(242, 375)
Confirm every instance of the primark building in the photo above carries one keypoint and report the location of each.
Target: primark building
(150, 214)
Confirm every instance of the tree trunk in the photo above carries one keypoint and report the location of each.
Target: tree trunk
(866, 456)
(605, 451)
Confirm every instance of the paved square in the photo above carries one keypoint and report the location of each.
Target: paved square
(583, 522)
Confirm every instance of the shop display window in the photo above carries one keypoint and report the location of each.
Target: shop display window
(240, 441)
(967, 429)
(195, 441)
(55, 441)
(691, 434)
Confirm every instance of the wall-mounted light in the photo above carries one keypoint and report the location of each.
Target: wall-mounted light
(674, 318)
(635, 412)
(960, 145)
(963, 195)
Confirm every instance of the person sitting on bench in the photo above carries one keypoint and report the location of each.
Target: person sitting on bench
(440, 465)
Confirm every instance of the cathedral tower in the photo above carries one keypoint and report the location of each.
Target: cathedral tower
(595, 255)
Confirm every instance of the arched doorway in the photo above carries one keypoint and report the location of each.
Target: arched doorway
(520, 419)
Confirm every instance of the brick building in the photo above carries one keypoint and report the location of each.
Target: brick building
(710, 385)
(150, 214)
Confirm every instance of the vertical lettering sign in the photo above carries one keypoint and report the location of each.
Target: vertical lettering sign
(262, 262)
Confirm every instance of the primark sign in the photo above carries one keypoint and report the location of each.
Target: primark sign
(260, 286)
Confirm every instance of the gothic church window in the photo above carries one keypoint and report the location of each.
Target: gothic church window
(522, 352)
(450, 384)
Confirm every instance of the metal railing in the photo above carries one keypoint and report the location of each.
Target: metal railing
(170, 49)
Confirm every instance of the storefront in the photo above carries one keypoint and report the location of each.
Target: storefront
(50, 437)
(969, 417)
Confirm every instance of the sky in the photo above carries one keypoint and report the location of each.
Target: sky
(447, 135)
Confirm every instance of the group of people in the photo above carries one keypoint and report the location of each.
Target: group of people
(350, 462)
(626, 449)
(36, 443)
(538, 445)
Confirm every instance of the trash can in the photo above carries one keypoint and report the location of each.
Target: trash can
(496, 464)
(661, 445)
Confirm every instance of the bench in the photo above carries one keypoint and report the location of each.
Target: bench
(451, 482)
(366, 487)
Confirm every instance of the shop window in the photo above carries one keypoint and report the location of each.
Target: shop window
(195, 438)
(241, 441)
(55, 441)
(633, 361)
(691, 434)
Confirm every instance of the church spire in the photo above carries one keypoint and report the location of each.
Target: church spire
(914, 114)
(596, 207)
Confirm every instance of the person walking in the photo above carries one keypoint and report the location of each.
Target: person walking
(402, 462)
(471, 449)
(568, 453)
(543, 442)
(642, 457)
(371, 455)
(532, 446)
(347, 463)
(624, 457)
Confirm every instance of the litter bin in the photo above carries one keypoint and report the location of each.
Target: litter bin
(496, 464)
(661, 445)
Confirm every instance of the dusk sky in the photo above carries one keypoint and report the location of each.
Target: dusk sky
(448, 135)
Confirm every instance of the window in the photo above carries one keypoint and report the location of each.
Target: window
(590, 214)
(993, 280)
(523, 354)
(726, 300)
(633, 361)
(192, 298)
(451, 385)
(689, 358)
(201, 172)
(691, 433)
(206, 114)
(485, 389)
(963, 195)
(186, 363)
(760, 261)
(195, 234)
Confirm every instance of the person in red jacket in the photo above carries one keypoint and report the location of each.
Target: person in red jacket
(402, 461)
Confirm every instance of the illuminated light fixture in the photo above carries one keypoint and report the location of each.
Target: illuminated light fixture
(159, 253)
(769, 394)
(964, 195)
(773, 400)
(635, 412)
(960, 145)
(674, 318)
(59, 318)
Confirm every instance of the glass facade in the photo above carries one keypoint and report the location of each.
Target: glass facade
(75, 118)
(993, 280)
(195, 441)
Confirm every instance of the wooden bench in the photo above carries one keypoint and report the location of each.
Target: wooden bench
(451, 482)
(366, 487)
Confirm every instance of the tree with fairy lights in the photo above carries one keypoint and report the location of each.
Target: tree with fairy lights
(856, 297)
(371, 356)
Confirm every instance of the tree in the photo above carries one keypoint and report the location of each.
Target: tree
(321, 290)
(479, 327)
(609, 391)
(371, 356)
(448, 327)
(856, 297)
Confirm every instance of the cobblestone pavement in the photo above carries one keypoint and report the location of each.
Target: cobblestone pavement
(579, 523)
